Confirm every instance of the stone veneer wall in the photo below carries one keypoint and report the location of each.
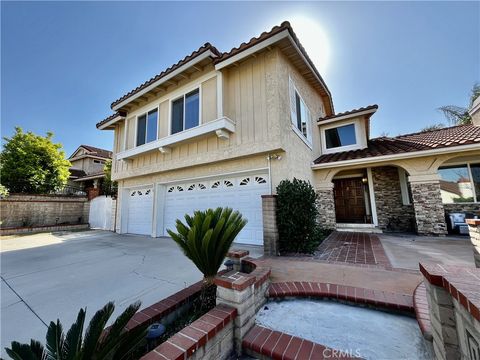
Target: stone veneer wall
(429, 213)
(462, 207)
(326, 209)
(19, 210)
(392, 214)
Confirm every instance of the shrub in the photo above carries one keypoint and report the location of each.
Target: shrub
(297, 217)
(205, 239)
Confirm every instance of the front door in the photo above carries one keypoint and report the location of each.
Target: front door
(350, 200)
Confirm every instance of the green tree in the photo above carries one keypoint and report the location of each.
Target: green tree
(458, 115)
(205, 239)
(109, 187)
(97, 343)
(31, 163)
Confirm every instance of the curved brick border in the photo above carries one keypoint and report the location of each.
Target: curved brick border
(421, 310)
(384, 299)
(277, 345)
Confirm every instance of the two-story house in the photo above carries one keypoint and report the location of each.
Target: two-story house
(86, 172)
(222, 129)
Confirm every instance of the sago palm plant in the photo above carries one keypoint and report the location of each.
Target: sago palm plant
(97, 344)
(205, 239)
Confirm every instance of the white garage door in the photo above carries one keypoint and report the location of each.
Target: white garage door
(240, 193)
(140, 211)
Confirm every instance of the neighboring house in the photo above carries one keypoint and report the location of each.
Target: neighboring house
(86, 172)
(222, 129)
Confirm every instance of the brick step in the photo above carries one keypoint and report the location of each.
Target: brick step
(384, 299)
(270, 344)
(421, 310)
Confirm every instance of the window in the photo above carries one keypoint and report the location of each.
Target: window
(460, 183)
(99, 162)
(147, 127)
(340, 136)
(300, 115)
(186, 112)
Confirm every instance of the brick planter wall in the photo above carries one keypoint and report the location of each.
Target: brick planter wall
(392, 214)
(474, 230)
(209, 337)
(326, 209)
(429, 212)
(454, 308)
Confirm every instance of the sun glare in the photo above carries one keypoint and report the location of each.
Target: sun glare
(313, 39)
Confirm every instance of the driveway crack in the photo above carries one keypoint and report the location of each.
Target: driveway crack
(23, 300)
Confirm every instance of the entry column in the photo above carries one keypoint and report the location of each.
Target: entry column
(427, 203)
(326, 205)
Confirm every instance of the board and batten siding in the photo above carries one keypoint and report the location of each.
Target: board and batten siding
(249, 98)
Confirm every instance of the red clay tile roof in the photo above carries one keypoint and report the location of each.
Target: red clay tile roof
(207, 46)
(421, 141)
(268, 34)
(106, 154)
(354, 111)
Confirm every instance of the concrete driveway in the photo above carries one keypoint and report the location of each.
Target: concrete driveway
(50, 276)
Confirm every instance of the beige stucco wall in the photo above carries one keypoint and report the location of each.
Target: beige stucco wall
(250, 93)
(298, 155)
(88, 165)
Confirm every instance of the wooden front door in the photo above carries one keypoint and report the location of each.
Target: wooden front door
(350, 200)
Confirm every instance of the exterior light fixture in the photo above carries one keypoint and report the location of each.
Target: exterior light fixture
(364, 180)
(228, 264)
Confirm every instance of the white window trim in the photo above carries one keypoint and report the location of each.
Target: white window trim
(402, 176)
(182, 95)
(472, 183)
(355, 146)
(306, 139)
(146, 125)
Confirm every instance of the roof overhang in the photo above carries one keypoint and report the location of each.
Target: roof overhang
(205, 55)
(110, 124)
(401, 156)
(368, 113)
(89, 177)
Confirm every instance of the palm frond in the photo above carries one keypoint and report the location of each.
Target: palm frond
(19, 351)
(72, 345)
(95, 328)
(111, 342)
(456, 115)
(54, 341)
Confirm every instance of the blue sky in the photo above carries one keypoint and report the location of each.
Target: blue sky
(63, 63)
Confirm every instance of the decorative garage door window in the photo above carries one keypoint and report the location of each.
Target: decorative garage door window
(140, 192)
(229, 183)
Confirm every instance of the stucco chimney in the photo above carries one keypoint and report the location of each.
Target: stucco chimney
(475, 112)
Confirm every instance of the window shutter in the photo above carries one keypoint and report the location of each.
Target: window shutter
(293, 103)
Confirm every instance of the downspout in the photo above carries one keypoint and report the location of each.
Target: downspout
(270, 173)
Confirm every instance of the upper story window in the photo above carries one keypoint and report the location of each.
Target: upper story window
(99, 162)
(300, 115)
(186, 112)
(460, 183)
(147, 127)
(340, 136)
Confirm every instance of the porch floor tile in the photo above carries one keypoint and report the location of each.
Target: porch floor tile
(353, 248)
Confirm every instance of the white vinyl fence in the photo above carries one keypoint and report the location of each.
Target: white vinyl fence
(101, 212)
